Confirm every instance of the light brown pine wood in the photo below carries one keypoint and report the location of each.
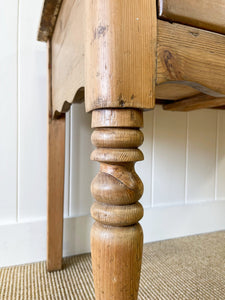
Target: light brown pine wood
(196, 102)
(191, 56)
(117, 118)
(172, 91)
(116, 236)
(68, 56)
(120, 54)
(56, 158)
(56, 161)
(205, 14)
(184, 54)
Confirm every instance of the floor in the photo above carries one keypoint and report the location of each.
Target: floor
(185, 268)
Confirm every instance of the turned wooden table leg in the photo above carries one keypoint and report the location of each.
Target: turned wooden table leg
(116, 236)
(120, 74)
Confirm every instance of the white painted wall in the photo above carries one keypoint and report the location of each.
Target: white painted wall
(183, 171)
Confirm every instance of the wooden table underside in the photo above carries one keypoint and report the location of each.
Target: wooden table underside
(123, 60)
(180, 72)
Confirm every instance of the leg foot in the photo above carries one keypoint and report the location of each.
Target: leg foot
(56, 158)
(117, 254)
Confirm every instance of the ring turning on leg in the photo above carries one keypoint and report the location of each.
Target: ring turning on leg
(116, 236)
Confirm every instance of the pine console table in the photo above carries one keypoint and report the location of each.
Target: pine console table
(123, 57)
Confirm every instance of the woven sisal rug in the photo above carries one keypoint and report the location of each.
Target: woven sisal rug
(191, 268)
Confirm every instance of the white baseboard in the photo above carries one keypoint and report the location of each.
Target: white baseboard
(161, 223)
(22, 243)
(26, 242)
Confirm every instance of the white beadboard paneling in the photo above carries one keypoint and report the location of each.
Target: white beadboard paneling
(32, 62)
(170, 141)
(67, 165)
(202, 136)
(82, 169)
(220, 176)
(8, 110)
(144, 168)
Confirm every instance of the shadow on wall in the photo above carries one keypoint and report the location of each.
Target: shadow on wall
(80, 170)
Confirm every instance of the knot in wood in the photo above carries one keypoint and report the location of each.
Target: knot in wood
(117, 184)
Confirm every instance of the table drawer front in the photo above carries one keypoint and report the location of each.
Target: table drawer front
(205, 14)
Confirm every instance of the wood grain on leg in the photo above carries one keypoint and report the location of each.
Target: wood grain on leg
(56, 159)
(120, 54)
(116, 236)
